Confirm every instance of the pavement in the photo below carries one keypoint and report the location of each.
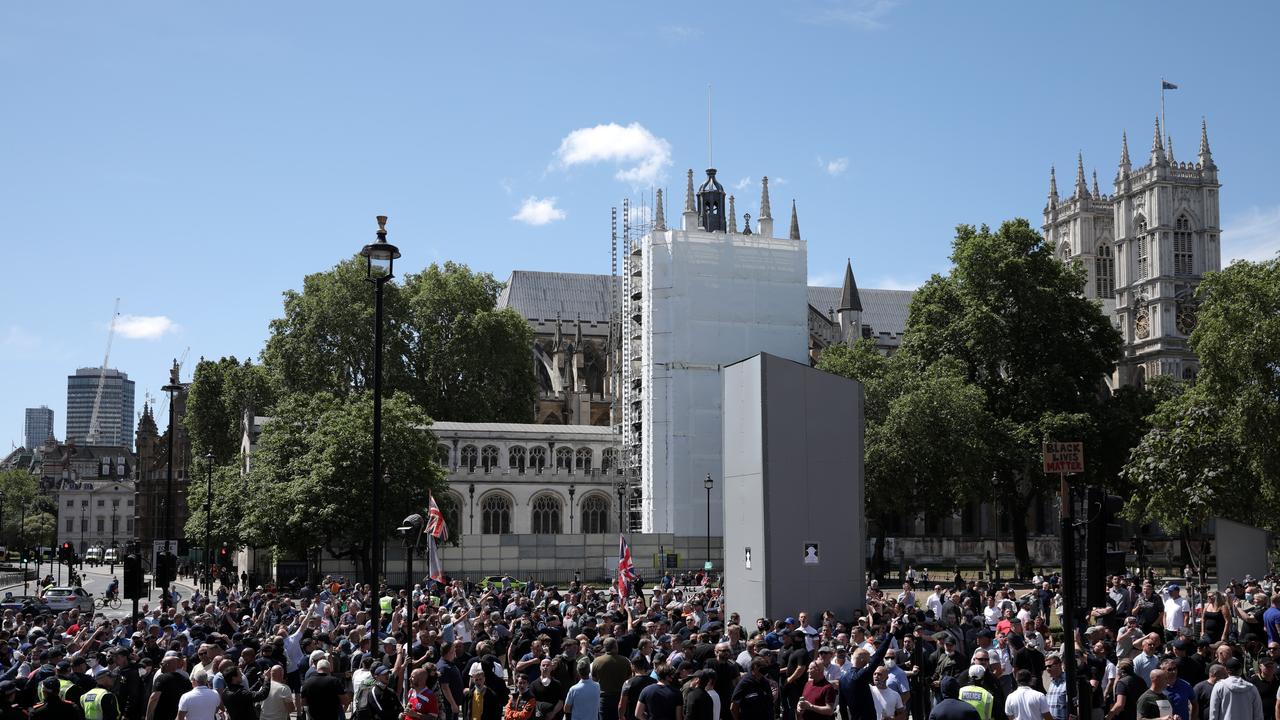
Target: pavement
(96, 579)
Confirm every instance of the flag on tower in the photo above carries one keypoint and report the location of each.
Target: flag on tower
(1166, 85)
(436, 526)
(626, 568)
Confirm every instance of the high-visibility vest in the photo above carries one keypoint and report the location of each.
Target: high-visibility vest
(979, 698)
(92, 703)
(385, 603)
(63, 686)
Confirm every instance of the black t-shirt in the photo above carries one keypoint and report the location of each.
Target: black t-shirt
(322, 693)
(661, 701)
(171, 686)
(551, 693)
(1153, 705)
(953, 709)
(631, 690)
(1203, 692)
(754, 698)
(1267, 689)
(1131, 687)
(698, 705)
(797, 659)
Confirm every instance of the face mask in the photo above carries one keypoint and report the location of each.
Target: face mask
(891, 663)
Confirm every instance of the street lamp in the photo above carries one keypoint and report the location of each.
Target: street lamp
(471, 490)
(208, 519)
(572, 489)
(708, 483)
(173, 387)
(621, 489)
(411, 529)
(379, 258)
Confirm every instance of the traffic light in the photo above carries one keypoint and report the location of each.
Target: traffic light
(224, 557)
(66, 553)
(133, 582)
(1104, 529)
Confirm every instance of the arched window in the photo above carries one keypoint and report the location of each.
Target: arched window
(442, 455)
(1182, 254)
(451, 506)
(470, 456)
(564, 459)
(538, 459)
(609, 460)
(495, 515)
(1141, 250)
(546, 515)
(595, 514)
(1104, 271)
(516, 458)
(489, 458)
(582, 459)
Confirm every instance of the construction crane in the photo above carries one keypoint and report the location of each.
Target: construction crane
(95, 432)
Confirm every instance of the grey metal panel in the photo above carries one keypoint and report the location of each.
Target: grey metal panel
(1241, 550)
(744, 511)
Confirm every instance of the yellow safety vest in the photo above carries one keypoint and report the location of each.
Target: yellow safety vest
(979, 698)
(385, 604)
(92, 703)
(63, 686)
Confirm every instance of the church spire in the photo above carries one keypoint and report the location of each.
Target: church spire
(849, 299)
(659, 218)
(795, 222)
(1157, 147)
(1169, 143)
(690, 213)
(733, 218)
(1124, 149)
(1082, 190)
(1095, 184)
(764, 224)
(1206, 157)
(1053, 186)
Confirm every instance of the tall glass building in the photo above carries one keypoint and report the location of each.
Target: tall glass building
(115, 413)
(38, 426)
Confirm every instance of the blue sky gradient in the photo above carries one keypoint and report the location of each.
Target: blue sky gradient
(196, 159)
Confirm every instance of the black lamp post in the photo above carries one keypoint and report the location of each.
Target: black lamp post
(208, 520)
(471, 491)
(572, 489)
(380, 257)
(173, 387)
(84, 523)
(411, 529)
(621, 489)
(708, 483)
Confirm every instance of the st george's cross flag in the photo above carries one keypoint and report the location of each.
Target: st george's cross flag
(626, 568)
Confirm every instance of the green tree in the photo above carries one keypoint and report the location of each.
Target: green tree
(229, 504)
(19, 489)
(310, 486)
(220, 393)
(1212, 450)
(926, 437)
(1016, 320)
(446, 344)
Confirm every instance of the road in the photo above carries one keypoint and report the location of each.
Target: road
(96, 580)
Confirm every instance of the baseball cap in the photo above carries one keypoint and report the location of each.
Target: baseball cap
(977, 671)
(789, 620)
(1174, 587)
(950, 687)
(476, 670)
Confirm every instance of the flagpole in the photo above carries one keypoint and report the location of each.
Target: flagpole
(1164, 126)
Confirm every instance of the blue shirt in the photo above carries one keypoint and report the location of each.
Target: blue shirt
(583, 701)
(1180, 694)
(1271, 618)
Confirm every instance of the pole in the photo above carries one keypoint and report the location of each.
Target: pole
(375, 554)
(168, 488)
(1068, 590)
(708, 526)
(408, 584)
(1163, 126)
(22, 547)
(208, 523)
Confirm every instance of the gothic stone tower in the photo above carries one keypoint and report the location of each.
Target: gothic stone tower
(1080, 227)
(1166, 238)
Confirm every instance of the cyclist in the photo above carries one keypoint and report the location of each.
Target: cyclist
(113, 588)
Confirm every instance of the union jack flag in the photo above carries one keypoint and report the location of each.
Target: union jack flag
(626, 568)
(436, 526)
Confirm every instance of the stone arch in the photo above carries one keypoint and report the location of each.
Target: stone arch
(496, 510)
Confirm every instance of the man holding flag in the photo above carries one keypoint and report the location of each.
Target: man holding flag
(626, 569)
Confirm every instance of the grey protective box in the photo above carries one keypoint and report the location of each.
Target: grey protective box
(1242, 550)
(795, 527)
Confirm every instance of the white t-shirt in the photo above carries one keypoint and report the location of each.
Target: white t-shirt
(273, 708)
(715, 702)
(1026, 704)
(200, 703)
(1175, 613)
(888, 701)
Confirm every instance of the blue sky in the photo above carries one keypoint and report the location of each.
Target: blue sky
(196, 159)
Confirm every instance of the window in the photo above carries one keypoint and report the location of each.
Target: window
(115, 503)
(609, 460)
(1105, 272)
(582, 459)
(470, 456)
(546, 515)
(1141, 251)
(128, 503)
(564, 459)
(495, 515)
(595, 514)
(489, 458)
(442, 455)
(517, 457)
(451, 506)
(102, 523)
(84, 523)
(71, 503)
(538, 459)
(102, 503)
(129, 522)
(71, 524)
(1182, 246)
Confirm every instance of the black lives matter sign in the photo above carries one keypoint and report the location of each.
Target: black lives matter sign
(1063, 458)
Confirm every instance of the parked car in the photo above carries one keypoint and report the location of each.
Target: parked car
(24, 604)
(65, 598)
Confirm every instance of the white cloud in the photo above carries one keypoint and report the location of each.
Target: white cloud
(892, 283)
(1254, 235)
(144, 327)
(862, 14)
(645, 155)
(778, 180)
(676, 33)
(834, 167)
(535, 211)
(743, 183)
(828, 279)
(639, 215)
(20, 339)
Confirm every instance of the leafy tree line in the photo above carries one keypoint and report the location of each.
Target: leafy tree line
(448, 352)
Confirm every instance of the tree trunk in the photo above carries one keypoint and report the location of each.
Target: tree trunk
(1016, 505)
(877, 556)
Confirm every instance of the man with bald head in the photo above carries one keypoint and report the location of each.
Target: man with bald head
(1154, 704)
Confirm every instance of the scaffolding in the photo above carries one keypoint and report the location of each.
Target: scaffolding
(630, 288)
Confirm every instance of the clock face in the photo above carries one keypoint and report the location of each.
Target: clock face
(1186, 319)
(1142, 324)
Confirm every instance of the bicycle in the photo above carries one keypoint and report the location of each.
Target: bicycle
(112, 602)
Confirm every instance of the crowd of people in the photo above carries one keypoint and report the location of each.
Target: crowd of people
(966, 651)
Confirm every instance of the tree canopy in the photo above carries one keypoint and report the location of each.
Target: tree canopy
(220, 393)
